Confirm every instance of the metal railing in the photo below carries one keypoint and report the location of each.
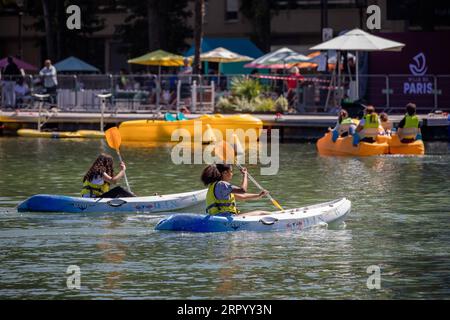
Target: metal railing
(152, 93)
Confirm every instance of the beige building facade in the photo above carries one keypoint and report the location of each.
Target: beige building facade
(298, 28)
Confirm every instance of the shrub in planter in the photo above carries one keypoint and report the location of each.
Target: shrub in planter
(265, 105)
(281, 104)
(247, 88)
(225, 105)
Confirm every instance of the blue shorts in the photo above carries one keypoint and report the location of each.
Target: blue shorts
(225, 214)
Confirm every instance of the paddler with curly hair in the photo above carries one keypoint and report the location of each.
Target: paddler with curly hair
(221, 196)
(97, 181)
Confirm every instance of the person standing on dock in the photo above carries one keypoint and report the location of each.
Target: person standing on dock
(185, 78)
(10, 74)
(48, 72)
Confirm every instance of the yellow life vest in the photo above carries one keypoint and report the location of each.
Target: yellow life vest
(411, 121)
(94, 190)
(345, 125)
(215, 206)
(371, 121)
(410, 129)
(347, 121)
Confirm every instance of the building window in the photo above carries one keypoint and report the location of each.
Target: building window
(231, 10)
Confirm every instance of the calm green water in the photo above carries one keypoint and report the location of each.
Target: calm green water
(400, 222)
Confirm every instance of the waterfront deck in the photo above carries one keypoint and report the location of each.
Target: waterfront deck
(292, 126)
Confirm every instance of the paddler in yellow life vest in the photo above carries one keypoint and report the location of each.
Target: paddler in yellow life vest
(409, 126)
(221, 196)
(368, 127)
(344, 126)
(97, 181)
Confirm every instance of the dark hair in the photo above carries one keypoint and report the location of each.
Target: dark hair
(10, 59)
(342, 115)
(370, 109)
(384, 116)
(103, 163)
(411, 108)
(213, 173)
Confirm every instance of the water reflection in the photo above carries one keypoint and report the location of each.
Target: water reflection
(114, 254)
(399, 221)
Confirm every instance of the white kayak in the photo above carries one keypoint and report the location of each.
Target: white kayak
(159, 203)
(292, 219)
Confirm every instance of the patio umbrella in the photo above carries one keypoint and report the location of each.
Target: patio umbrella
(20, 64)
(72, 64)
(315, 58)
(159, 58)
(359, 40)
(221, 55)
(273, 60)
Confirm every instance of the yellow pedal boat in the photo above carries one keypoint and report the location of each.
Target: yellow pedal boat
(397, 147)
(47, 134)
(161, 130)
(88, 134)
(383, 145)
(344, 147)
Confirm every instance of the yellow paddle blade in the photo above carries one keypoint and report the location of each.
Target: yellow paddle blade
(276, 204)
(224, 151)
(113, 138)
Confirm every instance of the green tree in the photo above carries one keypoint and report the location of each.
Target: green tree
(198, 33)
(260, 14)
(154, 24)
(51, 20)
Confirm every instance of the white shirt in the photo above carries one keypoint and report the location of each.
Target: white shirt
(49, 75)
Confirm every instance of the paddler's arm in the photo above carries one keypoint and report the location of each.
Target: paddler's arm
(118, 176)
(251, 196)
(243, 188)
(244, 184)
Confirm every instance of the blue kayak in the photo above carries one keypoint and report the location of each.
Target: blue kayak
(292, 219)
(158, 203)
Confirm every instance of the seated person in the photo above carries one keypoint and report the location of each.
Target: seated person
(97, 181)
(386, 125)
(22, 92)
(368, 127)
(169, 117)
(181, 116)
(409, 126)
(344, 126)
(222, 195)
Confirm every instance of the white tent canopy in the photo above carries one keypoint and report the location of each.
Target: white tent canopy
(222, 55)
(276, 60)
(359, 40)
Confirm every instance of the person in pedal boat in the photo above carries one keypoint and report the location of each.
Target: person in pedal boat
(386, 124)
(221, 196)
(344, 126)
(368, 127)
(409, 126)
(97, 181)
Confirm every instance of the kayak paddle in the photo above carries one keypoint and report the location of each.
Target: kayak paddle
(114, 140)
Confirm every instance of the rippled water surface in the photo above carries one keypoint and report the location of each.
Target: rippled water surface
(400, 222)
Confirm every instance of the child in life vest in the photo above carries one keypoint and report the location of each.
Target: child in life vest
(222, 195)
(97, 181)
